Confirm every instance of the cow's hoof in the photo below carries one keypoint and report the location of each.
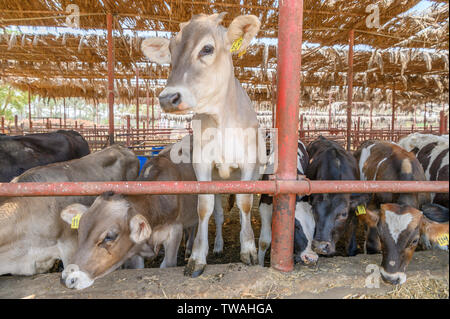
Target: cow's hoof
(249, 258)
(193, 269)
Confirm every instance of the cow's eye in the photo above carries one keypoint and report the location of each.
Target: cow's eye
(343, 215)
(110, 237)
(414, 242)
(206, 50)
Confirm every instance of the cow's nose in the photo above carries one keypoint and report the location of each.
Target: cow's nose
(322, 247)
(170, 101)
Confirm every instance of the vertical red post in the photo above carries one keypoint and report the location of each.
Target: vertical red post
(109, 22)
(329, 111)
(302, 133)
(351, 39)
(137, 99)
(153, 112)
(64, 104)
(16, 120)
(290, 27)
(441, 123)
(371, 109)
(29, 109)
(128, 130)
(393, 112)
(3, 125)
(147, 95)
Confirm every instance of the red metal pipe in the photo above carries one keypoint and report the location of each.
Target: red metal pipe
(128, 130)
(290, 28)
(393, 112)
(351, 39)
(109, 22)
(137, 98)
(29, 108)
(147, 95)
(275, 187)
(441, 123)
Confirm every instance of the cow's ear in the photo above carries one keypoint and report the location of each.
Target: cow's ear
(359, 199)
(156, 49)
(140, 230)
(245, 26)
(71, 211)
(371, 217)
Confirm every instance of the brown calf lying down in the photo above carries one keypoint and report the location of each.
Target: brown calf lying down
(399, 228)
(117, 227)
(32, 234)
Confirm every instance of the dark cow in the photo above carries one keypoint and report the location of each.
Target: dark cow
(117, 227)
(304, 219)
(32, 234)
(383, 160)
(329, 161)
(433, 153)
(20, 153)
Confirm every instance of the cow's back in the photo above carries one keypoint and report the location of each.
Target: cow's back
(20, 153)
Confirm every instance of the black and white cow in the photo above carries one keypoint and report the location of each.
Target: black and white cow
(20, 153)
(432, 151)
(329, 161)
(304, 219)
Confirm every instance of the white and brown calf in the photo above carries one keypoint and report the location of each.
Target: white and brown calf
(383, 161)
(202, 81)
(400, 229)
(118, 227)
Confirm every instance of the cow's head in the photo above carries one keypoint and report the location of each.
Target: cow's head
(109, 233)
(434, 228)
(202, 67)
(398, 227)
(332, 216)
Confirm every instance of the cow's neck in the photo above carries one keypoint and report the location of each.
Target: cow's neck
(230, 107)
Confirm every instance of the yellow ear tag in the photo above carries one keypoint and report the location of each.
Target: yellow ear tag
(443, 239)
(360, 210)
(75, 221)
(237, 45)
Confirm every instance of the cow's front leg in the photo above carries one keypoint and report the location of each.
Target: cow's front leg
(218, 218)
(248, 247)
(197, 261)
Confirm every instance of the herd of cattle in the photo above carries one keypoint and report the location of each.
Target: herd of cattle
(93, 236)
(118, 230)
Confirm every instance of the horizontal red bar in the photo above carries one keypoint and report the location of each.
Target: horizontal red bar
(220, 187)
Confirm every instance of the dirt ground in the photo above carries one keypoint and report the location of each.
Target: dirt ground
(226, 277)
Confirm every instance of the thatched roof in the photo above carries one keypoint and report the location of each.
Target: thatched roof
(410, 52)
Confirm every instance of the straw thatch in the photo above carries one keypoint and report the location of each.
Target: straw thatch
(68, 65)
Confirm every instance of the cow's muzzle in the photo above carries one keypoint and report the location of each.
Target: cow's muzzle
(397, 278)
(74, 278)
(323, 247)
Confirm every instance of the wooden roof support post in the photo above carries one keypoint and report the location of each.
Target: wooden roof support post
(109, 24)
(351, 40)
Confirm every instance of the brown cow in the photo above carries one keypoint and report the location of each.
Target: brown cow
(32, 235)
(117, 227)
(383, 160)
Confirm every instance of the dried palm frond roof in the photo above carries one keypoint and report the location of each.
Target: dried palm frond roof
(75, 65)
(325, 22)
